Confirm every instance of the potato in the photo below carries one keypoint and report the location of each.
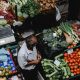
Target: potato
(46, 4)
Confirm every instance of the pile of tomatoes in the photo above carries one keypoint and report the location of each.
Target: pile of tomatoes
(73, 61)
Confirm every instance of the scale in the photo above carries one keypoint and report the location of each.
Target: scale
(6, 35)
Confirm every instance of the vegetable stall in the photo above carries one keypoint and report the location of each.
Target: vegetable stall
(61, 42)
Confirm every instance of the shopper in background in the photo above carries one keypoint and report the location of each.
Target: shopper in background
(74, 10)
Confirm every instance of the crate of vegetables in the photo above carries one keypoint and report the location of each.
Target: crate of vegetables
(72, 57)
(69, 63)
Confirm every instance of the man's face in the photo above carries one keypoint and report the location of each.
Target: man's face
(33, 40)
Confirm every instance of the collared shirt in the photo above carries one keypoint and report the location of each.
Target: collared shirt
(26, 54)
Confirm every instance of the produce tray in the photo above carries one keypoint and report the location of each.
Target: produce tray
(78, 75)
(7, 67)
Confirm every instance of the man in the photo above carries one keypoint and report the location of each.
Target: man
(29, 57)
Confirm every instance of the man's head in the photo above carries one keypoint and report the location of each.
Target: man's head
(30, 38)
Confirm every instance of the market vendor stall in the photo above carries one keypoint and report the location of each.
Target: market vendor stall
(60, 41)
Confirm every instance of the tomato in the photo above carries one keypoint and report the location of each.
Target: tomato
(78, 69)
(79, 64)
(72, 70)
(71, 56)
(78, 52)
(74, 54)
(77, 72)
(65, 54)
(71, 60)
(70, 64)
(71, 67)
(75, 67)
(78, 60)
(77, 49)
(73, 64)
(74, 60)
(76, 63)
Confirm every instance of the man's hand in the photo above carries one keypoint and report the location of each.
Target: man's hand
(33, 62)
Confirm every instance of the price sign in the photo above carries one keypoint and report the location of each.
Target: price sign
(70, 51)
(57, 63)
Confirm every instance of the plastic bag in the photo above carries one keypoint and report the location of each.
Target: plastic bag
(58, 15)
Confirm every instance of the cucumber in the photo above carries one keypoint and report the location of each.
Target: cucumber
(52, 74)
(58, 56)
(68, 70)
(65, 71)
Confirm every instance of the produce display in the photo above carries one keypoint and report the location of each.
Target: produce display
(54, 38)
(76, 28)
(7, 66)
(60, 37)
(50, 69)
(31, 8)
(73, 60)
(26, 8)
(19, 2)
(6, 11)
(64, 65)
(69, 34)
(46, 4)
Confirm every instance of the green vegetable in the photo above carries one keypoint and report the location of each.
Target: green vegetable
(65, 71)
(68, 70)
(58, 56)
(50, 69)
(66, 27)
(31, 8)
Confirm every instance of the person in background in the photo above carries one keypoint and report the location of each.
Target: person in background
(29, 57)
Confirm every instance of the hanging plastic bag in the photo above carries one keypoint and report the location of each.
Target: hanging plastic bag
(58, 15)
